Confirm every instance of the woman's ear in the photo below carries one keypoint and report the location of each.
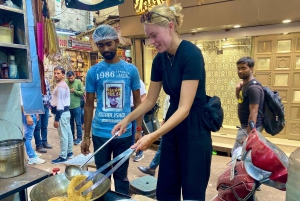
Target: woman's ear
(171, 26)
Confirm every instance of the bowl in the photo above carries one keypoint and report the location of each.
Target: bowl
(58, 186)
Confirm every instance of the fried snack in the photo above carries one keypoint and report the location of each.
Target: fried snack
(59, 199)
(76, 196)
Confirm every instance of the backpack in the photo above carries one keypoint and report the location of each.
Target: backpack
(273, 111)
(214, 114)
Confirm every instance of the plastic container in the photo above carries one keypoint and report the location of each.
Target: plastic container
(145, 185)
(6, 34)
(13, 68)
(4, 71)
(293, 183)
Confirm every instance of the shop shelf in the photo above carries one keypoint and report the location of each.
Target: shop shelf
(22, 60)
(12, 45)
(7, 11)
(11, 81)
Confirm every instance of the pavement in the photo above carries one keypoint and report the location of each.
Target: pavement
(219, 163)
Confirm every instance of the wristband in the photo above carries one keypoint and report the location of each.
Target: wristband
(139, 128)
(86, 137)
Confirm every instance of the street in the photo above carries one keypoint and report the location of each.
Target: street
(218, 165)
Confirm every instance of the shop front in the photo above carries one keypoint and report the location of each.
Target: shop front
(222, 45)
(75, 56)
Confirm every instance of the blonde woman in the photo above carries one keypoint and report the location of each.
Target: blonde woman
(179, 68)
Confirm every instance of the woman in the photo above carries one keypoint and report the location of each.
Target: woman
(179, 68)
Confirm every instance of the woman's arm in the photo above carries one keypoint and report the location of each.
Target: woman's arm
(148, 104)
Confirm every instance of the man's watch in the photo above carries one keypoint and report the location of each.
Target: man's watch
(139, 128)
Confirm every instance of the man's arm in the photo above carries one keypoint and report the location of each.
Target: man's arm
(88, 117)
(88, 113)
(238, 88)
(253, 108)
(137, 102)
(80, 91)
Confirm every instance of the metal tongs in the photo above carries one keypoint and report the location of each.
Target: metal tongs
(121, 158)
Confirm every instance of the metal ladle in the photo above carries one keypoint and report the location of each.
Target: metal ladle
(72, 170)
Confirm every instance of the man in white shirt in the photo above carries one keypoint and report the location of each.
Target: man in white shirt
(139, 156)
(60, 104)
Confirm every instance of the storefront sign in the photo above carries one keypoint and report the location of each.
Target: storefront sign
(79, 45)
(142, 6)
(66, 41)
(62, 40)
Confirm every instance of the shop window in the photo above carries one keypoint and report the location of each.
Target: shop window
(264, 47)
(296, 96)
(295, 128)
(284, 45)
(295, 112)
(283, 63)
(296, 80)
(263, 64)
(298, 45)
(298, 62)
(264, 78)
(283, 93)
(281, 80)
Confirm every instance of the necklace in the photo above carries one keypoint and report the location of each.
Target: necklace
(171, 59)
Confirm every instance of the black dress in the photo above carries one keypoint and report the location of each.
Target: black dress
(186, 150)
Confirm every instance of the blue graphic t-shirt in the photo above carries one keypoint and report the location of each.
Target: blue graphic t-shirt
(113, 84)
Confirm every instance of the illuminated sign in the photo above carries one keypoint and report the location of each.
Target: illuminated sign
(142, 6)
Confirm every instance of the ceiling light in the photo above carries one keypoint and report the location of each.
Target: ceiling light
(286, 33)
(236, 26)
(286, 21)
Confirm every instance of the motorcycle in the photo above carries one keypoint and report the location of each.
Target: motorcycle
(258, 162)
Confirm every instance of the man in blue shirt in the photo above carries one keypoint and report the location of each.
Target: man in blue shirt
(112, 80)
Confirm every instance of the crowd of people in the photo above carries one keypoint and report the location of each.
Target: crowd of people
(184, 154)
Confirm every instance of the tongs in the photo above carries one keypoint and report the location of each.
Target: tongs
(121, 158)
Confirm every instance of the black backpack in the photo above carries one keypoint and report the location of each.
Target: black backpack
(214, 114)
(273, 111)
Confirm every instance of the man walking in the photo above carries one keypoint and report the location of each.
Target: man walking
(60, 104)
(41, 127)
(112, 80)
(76, 91)
(250, 97)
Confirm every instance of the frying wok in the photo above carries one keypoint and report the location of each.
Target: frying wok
(58, 185)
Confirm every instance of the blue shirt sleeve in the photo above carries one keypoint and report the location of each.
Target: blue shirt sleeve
(135, 79)
(90, 81)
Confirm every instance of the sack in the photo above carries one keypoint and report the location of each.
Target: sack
(213, 114)
(273, 111)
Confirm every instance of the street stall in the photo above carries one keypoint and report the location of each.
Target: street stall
(18, 52)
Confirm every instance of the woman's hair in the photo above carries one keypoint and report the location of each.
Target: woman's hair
(173, 13)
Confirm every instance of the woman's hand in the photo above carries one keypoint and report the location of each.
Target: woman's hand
(120, 127)
(144, 143)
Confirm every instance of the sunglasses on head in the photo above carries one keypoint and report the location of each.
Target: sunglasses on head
(148, 17)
